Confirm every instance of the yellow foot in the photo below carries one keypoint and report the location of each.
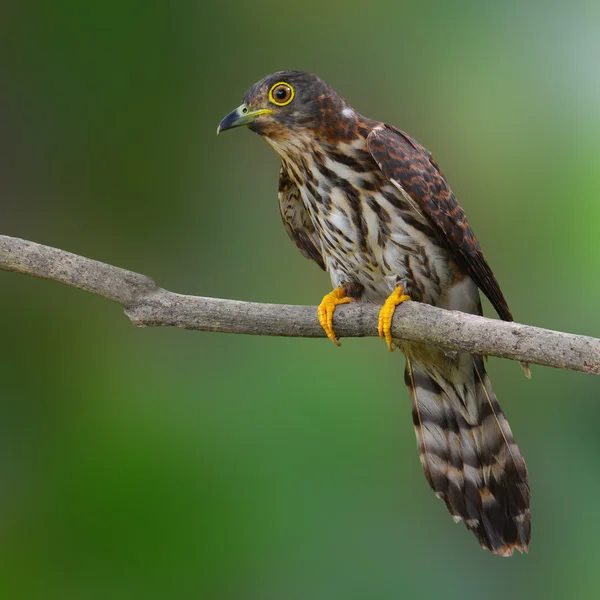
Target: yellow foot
(384, 326)
(327, 308)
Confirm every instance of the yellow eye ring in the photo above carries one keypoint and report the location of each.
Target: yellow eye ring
(281, 94)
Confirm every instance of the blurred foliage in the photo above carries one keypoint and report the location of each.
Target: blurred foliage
(163, 463)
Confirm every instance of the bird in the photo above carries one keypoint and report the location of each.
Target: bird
(369, 204)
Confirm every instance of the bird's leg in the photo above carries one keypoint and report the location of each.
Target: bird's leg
(327, 307)
(384, 325)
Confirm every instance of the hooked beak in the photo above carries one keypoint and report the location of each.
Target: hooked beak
(241, 116)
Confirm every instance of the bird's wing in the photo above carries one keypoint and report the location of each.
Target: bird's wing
(411, 168)
(296, 219)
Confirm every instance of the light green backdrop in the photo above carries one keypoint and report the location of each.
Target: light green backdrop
(170, 464)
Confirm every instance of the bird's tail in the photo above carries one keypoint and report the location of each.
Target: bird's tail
(468, 452)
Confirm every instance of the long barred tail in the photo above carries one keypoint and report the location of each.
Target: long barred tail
(468, 453)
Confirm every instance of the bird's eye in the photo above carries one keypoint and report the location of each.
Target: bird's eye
(281, 93)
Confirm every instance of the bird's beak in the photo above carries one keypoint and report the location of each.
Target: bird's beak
(241, 116)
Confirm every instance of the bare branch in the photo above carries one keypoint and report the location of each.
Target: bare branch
(147, 305)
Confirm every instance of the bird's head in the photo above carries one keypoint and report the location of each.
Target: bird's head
(288, 107)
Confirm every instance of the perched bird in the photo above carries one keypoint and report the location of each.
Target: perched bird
(371, 207)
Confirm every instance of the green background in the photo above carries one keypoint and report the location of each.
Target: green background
(172, 464)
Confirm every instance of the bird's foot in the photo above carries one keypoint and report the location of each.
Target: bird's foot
(384, 325)
(327, 308)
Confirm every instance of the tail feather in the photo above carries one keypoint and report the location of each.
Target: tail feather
(467, 450)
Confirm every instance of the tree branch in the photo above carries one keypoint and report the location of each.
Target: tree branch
(147, 305)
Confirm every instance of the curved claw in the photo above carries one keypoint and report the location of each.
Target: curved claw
(327, 308)
(384, 324)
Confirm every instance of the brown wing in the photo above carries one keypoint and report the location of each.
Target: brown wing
(296, 220)
(410, 166)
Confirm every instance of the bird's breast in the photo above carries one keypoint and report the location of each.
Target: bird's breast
(369, 232)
